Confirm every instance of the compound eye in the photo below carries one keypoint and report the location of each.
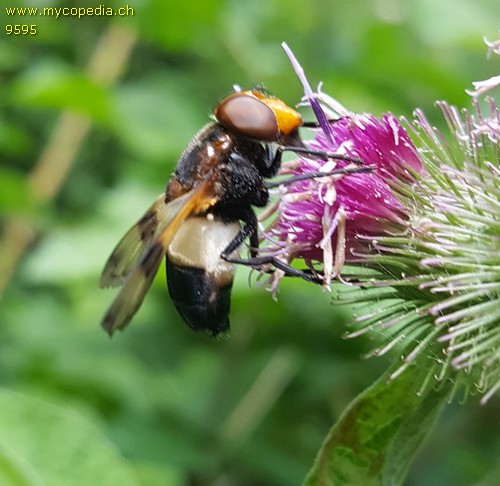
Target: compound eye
(248, 116)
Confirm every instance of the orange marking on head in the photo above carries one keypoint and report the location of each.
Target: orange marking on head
(287, 118)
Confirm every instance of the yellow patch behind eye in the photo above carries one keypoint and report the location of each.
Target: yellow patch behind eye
(288, 119)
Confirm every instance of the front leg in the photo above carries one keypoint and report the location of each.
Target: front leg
(319, 174)
(275, 157)
(317, 154)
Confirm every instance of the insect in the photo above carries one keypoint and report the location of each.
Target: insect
(207, 212)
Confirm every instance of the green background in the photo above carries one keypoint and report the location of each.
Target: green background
(160, 404)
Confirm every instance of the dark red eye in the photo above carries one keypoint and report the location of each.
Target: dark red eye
(248, 116)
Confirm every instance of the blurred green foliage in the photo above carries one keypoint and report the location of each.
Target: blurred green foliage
(178, 407)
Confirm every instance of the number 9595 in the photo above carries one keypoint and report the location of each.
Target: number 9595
(20, 29)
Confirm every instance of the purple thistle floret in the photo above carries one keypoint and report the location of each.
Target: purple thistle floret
(367, 200)
(319, 217)
(325, 220)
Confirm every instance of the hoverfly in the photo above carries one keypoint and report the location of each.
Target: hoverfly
(206, 213)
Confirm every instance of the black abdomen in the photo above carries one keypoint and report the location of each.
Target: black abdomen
(200, 302)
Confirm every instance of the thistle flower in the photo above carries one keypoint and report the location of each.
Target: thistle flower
(312, 211)
(421, 235)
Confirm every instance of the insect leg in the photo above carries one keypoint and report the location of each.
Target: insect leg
(318, 153)
(290, 271)
(316, 175)
(315, 124)
(250, 230)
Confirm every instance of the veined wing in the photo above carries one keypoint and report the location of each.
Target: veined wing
(141, 260)
(138, 238)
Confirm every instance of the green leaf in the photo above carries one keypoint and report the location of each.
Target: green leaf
(155, 117)
(14, 191)
(53, 84)
(15, 470)
(48, 445)
(176, 25)
(376, 438)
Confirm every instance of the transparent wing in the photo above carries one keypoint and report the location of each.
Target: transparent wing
(138, 261)
(138, 238)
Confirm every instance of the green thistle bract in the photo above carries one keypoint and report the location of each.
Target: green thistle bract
(440, 278)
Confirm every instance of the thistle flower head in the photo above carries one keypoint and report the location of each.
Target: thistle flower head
(421, 234)
(312, 211)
